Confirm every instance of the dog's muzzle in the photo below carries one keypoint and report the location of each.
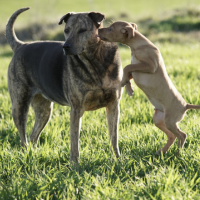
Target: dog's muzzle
(67, 48)
(100, 33)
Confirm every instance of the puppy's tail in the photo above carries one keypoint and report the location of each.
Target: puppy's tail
(10, 33)
(191, 106)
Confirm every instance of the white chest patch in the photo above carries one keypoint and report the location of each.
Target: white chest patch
(134, 59)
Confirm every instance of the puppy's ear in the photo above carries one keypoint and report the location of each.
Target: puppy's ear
(123, 31)
(65, 18)
(134, 25)
(97, 18)
(129, 31)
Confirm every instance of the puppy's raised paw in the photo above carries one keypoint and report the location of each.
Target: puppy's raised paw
(129, 89)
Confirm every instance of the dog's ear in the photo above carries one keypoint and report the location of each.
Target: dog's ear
(134, 25)
(97, 18)
(65, 18)
(129, 31)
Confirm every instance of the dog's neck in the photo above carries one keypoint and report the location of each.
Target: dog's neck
(137, 41)
(100, 56)
(96, 50)
(93, 50)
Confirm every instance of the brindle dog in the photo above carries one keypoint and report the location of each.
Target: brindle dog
(86, 77)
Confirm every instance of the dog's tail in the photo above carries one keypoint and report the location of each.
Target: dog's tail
(191, 106)
(10, 33)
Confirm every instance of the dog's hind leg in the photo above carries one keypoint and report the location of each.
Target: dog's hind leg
(20, 104)
(113, 112)
(158, 119)
(42, 108)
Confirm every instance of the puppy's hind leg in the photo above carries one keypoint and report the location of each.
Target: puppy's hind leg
(172, 125)
(42, 108)
(158, 119)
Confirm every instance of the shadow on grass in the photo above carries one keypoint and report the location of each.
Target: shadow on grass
(7, 136)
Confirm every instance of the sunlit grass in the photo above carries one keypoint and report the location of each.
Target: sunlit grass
(138, 174)
(46, 173)
(50, 11)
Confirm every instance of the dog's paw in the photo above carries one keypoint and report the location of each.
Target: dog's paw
(129, 89)
(160, 152)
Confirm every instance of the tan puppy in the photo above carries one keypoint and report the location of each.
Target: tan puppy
(148, 71)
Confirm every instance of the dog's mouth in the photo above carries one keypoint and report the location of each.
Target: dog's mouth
(102, 38)
(67, 52)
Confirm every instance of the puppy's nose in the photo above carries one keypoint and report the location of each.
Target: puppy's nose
(67, 46)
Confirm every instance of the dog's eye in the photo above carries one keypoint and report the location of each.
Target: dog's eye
(110, 29)
(66, 31)
(82, 30)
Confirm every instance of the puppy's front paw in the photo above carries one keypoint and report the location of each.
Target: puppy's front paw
(129, 89)
(124, 81)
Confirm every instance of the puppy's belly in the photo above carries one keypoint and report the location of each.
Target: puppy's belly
(157, 105)
(142, 79)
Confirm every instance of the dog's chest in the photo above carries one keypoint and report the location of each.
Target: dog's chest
(99, 98)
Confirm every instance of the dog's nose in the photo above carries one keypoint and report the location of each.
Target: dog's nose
(67, 46)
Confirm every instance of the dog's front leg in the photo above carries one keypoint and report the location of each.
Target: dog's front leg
(113, 112)
(75, 126)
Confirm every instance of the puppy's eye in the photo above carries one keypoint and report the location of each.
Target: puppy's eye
(66, 30)
(110, 29)
(82, 30)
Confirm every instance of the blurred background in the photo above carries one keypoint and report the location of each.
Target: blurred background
(160, 20)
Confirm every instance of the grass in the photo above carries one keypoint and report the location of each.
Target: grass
(136, 9)
(46, 173)
(178, 17)
(50, 11)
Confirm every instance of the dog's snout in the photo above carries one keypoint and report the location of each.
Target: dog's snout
(67, 46)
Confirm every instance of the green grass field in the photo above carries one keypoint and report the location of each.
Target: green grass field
(53, 9)
(46, 173)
